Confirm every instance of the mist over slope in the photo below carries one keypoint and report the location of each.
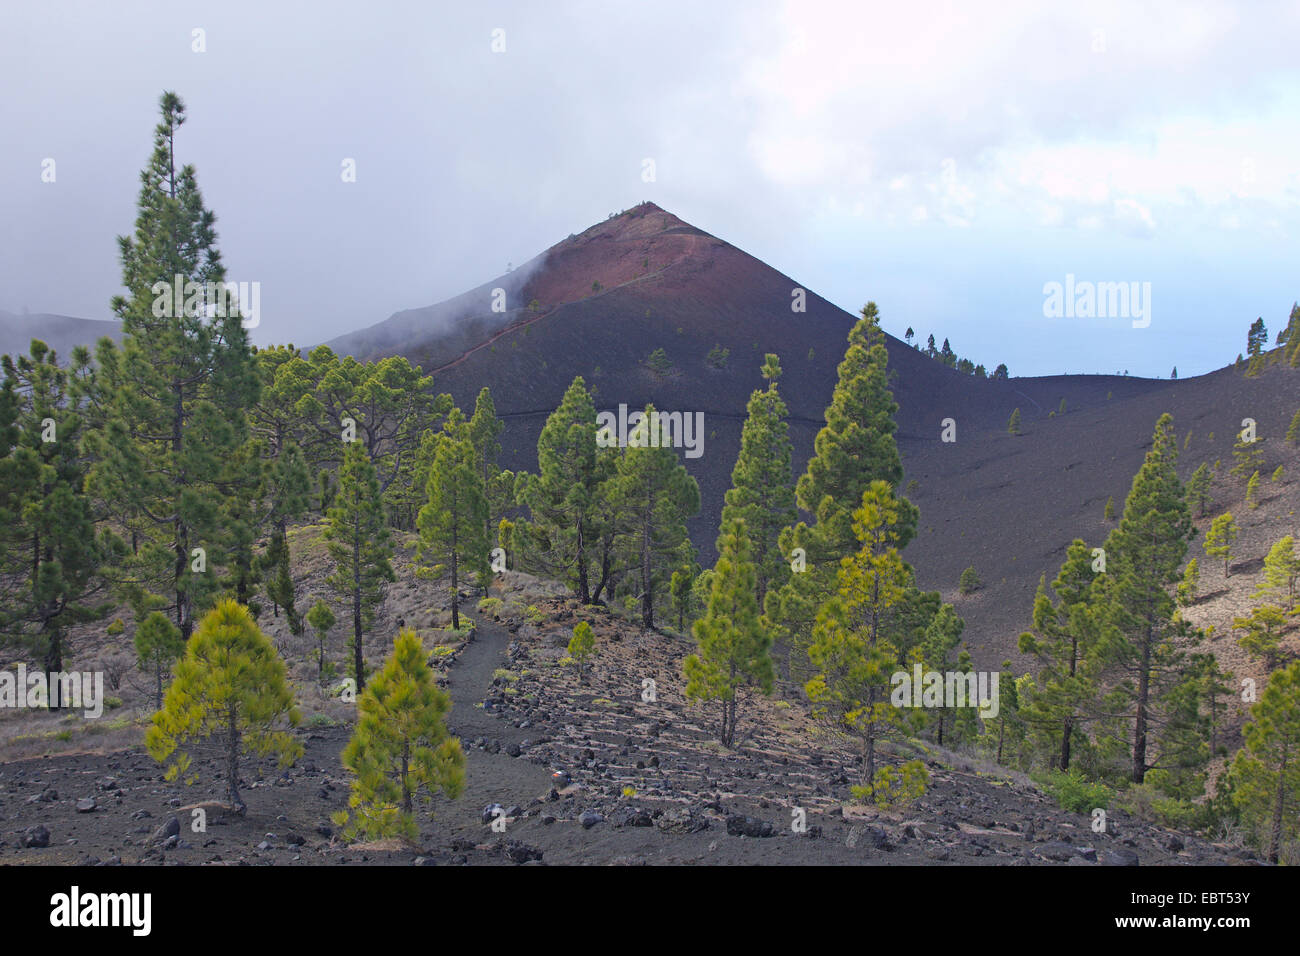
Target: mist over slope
(60, 332)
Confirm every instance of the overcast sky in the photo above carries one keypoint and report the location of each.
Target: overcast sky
(944, 159)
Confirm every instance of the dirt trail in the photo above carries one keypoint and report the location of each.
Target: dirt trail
(469, 681)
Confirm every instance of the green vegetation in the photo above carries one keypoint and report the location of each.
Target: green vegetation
(230, 684)
(1220, 539)
(454, 523)
(659, 362)
(321, 620)
(359, 545)
(1074, 792)
(733, 642)
(1265, 777)
(582, 646)
(401, 750)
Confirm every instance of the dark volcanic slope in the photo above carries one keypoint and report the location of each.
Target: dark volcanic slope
(60, 332)
(1006, 505)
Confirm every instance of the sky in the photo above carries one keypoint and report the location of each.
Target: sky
(949, 161)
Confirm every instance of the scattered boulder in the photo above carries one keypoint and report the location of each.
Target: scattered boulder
(519, 852)
(682, 820)
(169, 829)
(37, 836)
(1119, 857)
(741, 825)
(1057, 851)
(631, 817)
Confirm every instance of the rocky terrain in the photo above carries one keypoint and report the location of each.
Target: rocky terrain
(583, 770)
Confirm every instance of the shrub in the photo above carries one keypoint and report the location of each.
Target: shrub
(718, 356)
(970, 581)
(1075, 793)
(895, 788)
(659, 362)
(582, 645)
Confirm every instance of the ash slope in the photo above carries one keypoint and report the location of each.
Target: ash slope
(603, 300)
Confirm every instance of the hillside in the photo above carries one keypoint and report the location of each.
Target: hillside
(61, 332)
(585, 770)
(604, 299)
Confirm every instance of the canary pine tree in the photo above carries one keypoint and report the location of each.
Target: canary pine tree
(56, 565)
(1265, 773)
(178, 387)
(762, 488)
(498, 486)
(1220, 539)
(1064, 637)
(853, 654)
(582, 646)
(1198, 488)
(321, 620)
(401, 751)
(358, 542)
(453, 522)
(733, 642)
(1281, 574)
(942, 638)
(855, 448)
(1145, 552)
(233, 685)
(655, 495)
(563, 497)
(158, 643)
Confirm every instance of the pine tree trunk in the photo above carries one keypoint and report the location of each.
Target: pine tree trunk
(232, 758)
(1065, 743)
(584, 592)
(54, 663)
(455, 588)
(1275, 837)
(406, 767)
(647, 595)
(358, 659)
(1140, 726)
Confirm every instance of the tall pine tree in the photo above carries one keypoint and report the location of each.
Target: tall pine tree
(1144, 555)
(762, 490)
(178, 386)
(453, 526)
(733, 641)
(855, 448)
(358, 542)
